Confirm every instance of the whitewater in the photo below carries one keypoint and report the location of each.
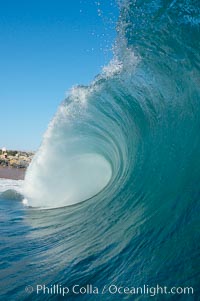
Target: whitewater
(112, 196)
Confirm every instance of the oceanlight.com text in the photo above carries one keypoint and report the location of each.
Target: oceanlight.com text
(112, 289)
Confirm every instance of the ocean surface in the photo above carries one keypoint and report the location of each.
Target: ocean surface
(112, 197)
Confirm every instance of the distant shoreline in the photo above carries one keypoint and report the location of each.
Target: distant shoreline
(13, 164)
(12, 173)
(15, 159)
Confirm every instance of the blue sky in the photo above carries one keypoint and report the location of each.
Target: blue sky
(47, 46)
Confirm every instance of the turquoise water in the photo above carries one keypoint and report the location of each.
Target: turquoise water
(113, 192)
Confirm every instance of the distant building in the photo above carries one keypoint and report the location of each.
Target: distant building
(3, 150)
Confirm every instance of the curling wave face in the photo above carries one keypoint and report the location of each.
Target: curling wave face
(85, 148)
(138, 108)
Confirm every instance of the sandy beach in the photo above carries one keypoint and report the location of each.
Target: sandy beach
(12, 173)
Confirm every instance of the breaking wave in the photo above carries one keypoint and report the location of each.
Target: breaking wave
(129, 146)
